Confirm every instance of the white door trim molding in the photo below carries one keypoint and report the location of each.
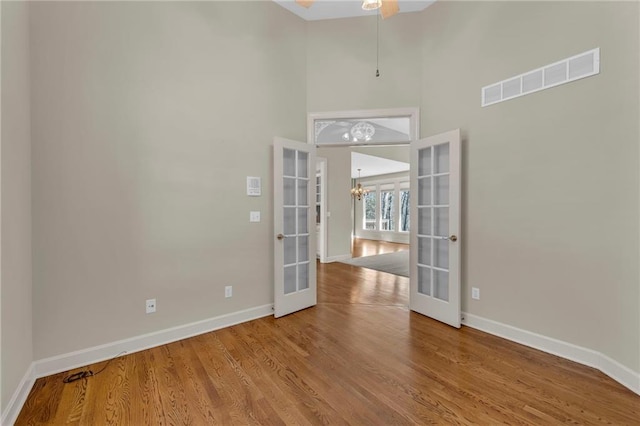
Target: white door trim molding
(322, 237)
(413, 113)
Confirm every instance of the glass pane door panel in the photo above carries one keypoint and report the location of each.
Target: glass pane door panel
(435, 183)
(424, 162)
(289, 218)
(303, 164)
(290, 279)
(303, 223)
(424, 221)
(441, 221)
(303, 276)
(289, 162)
(424, 251)
(289, 192)
(441, 190)
(289, 250)
(303, 249)
(297, 185)
(442, 158)
(303, 192)
(424, 192)
(441, 254)
(441, 285)
(424, 280)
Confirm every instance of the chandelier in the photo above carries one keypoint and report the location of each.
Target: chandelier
(358, 191)
(371, 4)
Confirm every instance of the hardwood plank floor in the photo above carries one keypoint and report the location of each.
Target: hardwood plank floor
(358, 357)
(361, 247)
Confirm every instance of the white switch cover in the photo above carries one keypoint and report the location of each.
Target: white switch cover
(475, 293)
(254, 216)
(150, 306)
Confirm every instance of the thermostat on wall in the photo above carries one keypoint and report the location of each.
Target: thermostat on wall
(254, 187)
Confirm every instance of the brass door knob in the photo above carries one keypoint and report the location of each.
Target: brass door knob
(453, 238)
(280, 237)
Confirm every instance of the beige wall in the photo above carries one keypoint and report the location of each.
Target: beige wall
(144, 116)
(15, 190)
(396, 153)
(550, 180)
(339, 224)
(147, 118)
(341, 66)
(550, 197)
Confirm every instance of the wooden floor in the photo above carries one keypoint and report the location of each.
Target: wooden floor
(361, 247)
(358, 357)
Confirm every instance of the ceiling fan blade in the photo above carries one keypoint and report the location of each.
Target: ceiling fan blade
(389, 8)
(305, 3)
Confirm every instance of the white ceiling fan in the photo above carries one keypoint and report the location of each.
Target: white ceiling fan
(387, 8)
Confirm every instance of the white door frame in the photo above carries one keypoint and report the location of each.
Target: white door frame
(322, 237)
(412, 113)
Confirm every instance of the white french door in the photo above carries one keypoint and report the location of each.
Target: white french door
(435, 227)
(294, 200)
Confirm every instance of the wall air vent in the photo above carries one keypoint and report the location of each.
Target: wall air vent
(574, 68)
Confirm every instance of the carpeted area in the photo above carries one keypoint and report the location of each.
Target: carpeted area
(393, 263)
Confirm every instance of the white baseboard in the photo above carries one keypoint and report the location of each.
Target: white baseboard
(339, 258)
(19, 397)
(589, 357)
(65, 362)
(69, 361)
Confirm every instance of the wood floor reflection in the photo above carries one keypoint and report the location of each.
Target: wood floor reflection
(361, 247)
(347, 284)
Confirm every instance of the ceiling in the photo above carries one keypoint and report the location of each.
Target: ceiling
(373, 166)
(333, 9)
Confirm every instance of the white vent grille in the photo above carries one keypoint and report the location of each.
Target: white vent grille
(576, 67)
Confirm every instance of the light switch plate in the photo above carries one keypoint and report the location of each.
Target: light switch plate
(254, 216)
(475, 293)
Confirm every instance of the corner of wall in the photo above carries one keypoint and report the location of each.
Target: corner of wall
(16, 331)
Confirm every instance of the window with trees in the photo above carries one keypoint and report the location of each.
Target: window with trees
(386, 207)
(387, 210)
(404, 210)
(369, 200)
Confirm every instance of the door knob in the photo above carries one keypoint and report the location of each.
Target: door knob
(280, 237)
(453, 238)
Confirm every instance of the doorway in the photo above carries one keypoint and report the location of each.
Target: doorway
(434, 267)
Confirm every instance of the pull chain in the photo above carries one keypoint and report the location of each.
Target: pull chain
(377, 43)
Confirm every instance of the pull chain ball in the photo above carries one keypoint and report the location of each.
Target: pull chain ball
(377, 73)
